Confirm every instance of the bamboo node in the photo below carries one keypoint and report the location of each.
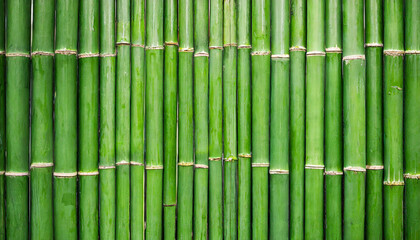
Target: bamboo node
(186, 50)
(354, 57)
(412, 176)
(201, 166)
(333, 173)
(230, 45)
(216, 47)
(106, 167)
(18, 55)
(277, 56)
(374, 45)
(374, 167)
(16, 174)
(244, 46)
(2, 52)
(297, 49)
(65, 175)
(278, 171)
(122, 44)
(394, 53)
(107, 55)
(397, 87)
(154, 167)
(136, 163)
(41, 165)
(412, 52)
(185, 164)
(171, 43)
(201, 54)
(315, 53)
(245, 155)
(154, 48)
(88, 55)
(94, 173)
(169, 205)
(355, 169)
(215, 158)
(333, 50)
(137, 45)
(230, 159)
(313, 166)
(260, 53)
(42, 53)
(66, 52)
(122, 163)
(2, 172)
(393, 183)
(260, 164)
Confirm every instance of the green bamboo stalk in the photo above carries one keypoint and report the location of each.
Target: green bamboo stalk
(333, 122)
(65, 112)
(154, 118)
(297, 117)
(137, 118)
(216, 121)
(279, 123)
(354, 114)
(260, 60)
(107, 121)
(2, 120)
(88, 118)
(411, 120)
(170, 118)
(17, 118)
(201, 117)
(185, 121)
(42, 120)
(315, 83)
(374, 141)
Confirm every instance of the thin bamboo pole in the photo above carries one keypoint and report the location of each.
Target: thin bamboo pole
(333, 122)
(42, 120)
(411, 120)
(374, 140)
(17, 118)
(354, 114)
(260, 60)
(65, 112)
(279, 122)
(137, 118)
(2, 120)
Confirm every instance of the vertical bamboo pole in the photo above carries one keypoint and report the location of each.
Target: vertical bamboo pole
(354, 114)
(411, 120)
(393, 119)
(2, 120)
(65, 112)
(88, 118)
(315, 83)
(107, 121)
(297, 116)
(333, 122)
(17, 118)
(42, 120)
(201, 117)
(279, 123)
(154, 118)
(216, 121)
(374, 141)
(260, 60)
(137, 118)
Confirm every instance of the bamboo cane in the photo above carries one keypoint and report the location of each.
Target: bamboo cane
(297, 116)
(216, 121)
(260, 60)
(374, 144)
(107, 121)
(201, 117)
(65, 147)
(314, 165)
(137, 118)
(2, 120)
(88, 120)
(154, 118)
(279, 123)
(354, 109)
(17, 118)
(333, 122)
(42, 120)
(412, 126)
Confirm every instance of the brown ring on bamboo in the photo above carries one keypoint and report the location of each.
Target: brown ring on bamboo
(66, 52)
(107, 55)
(333, 173)
(88, 55)
(2, 53)
(278, 56)
(137, 45)
(201, 54)
(42, 53)
(260, 165)
(16, 174)
(155, 48)
(106, 167)
(278, 171)
(156, 167)
(230, 45)
(169, 205)
(123, 44)
(374, 45)
(354, 57)
(315, 53)
(412, 176)
(230, 159)
(201, 166)
(355, 169)
(260, 53)
(374, 167)
(244, 46)
(18, 55)
(215, 158)
(41, 165)
(393, 183)
(297, 49)
(171, 44)
(245, 155)
(122, 163)
(313, 166)
(2, 172)
(216, 47)
(412, 52)
(186, 164)
(394, 53)
(65, 175)
(333, 50)
(94, 173)
(136, 163)
(185, 49)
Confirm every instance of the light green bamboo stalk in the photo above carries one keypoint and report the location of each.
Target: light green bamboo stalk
(17, 118)
(2, 120)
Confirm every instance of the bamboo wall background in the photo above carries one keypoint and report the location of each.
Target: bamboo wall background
(210, 119)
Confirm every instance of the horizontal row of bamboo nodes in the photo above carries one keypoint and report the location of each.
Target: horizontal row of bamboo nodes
(209, 119)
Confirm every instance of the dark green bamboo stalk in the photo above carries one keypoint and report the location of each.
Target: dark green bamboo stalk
(374, 144)
(315, 83)
(297, 117)
(65, 141)
(17, 118)
(137, 119)
(393, 118)
(333, 122)
(88, 118)
(411, 120)
(279, 123)
(216, 121)
(154, 118)
(107, 121)
(170, 118)
(354, 114)
(201, 117)
(260, 59)
(2, 120)
(42, 120)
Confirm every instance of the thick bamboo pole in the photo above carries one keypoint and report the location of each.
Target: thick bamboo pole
(216, 121)
(17, 118)
(137, 119)
(2, 120)
(411, 120)
(260, 59)
(354, 114)
(374, 141)
(65, 112)
(42, 120)
(333, 122)
(88, 118)
(107, 121)
(279, 123)
(315, 83)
